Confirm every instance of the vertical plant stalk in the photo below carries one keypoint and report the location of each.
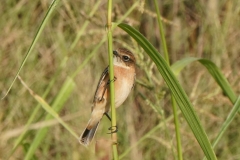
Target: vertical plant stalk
(174, 105)
(111, 77)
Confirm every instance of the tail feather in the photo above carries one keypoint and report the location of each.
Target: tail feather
(88, 135)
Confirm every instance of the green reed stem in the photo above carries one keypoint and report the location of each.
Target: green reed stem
(174, 105)
(111, 77)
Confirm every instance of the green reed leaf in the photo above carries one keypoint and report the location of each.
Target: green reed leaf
(176, 89)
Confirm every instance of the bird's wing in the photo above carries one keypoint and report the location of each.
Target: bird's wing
(102, 86)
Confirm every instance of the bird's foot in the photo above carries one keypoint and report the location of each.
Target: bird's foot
(113, 129)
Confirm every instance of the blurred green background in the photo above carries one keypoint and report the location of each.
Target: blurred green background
(204, 29)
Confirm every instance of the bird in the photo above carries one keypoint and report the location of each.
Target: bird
(124, 78)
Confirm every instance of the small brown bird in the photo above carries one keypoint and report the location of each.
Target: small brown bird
(124, 77)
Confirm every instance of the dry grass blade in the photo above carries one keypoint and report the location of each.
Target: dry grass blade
(48, 108)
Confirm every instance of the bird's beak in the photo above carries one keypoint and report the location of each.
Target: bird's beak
(115, 53)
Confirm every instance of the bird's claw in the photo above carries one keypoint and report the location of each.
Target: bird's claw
(113, 129)
(106, 114)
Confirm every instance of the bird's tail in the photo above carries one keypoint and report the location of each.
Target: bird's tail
(88, 135)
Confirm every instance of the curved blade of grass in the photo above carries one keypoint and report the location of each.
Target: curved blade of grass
(178, 66)
(227, 122)
(212, 69)
(39, 31)
(176, 89)
(57, 105)
(49, 109)
(37, 108)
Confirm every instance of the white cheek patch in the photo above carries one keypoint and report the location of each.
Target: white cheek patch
(118, 62)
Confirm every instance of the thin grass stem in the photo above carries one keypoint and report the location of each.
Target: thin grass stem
(174, 104)
(111, 76)
(39, 31)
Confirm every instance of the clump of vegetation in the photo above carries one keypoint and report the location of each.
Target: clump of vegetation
(49, 105)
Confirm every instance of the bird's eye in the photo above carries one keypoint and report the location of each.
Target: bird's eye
(125, 58)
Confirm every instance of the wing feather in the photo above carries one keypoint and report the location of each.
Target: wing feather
(102, 86)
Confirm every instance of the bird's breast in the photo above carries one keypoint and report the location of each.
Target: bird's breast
(125, 78)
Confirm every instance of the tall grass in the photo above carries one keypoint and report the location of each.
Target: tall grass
(71, 51)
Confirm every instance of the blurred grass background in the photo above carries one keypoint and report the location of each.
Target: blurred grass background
(206, 29)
